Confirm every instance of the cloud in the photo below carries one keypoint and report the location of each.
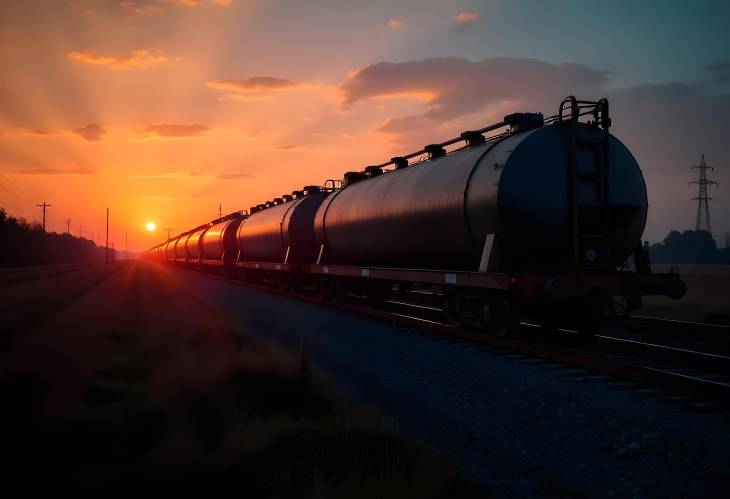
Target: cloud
(235, 176)
(36, 131)
(55, 171)
(137, 59)
(452, 86)
(168, 131)
(92, 133)
(259, 88)
(395, 23)
(254, 85)
(466, 16)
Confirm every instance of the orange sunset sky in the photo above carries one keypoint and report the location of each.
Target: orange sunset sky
(162, 109)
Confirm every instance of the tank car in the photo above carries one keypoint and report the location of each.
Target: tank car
(438, 214)
(284, 232)
(193, 245)
(218, 242)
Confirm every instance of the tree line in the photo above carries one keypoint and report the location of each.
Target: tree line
(23, 243)
(690, 246)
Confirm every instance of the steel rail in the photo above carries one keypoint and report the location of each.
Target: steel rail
(672, 382)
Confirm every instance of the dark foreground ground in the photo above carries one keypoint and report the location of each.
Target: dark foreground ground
(120, 379)
(155, 374)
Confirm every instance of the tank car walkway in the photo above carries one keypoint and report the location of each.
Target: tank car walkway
(522, 426)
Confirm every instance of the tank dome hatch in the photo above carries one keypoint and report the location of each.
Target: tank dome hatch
(521, 122)
(473, 138)
(400, 162)
(373, 171)
(353, 177)
(435, 151)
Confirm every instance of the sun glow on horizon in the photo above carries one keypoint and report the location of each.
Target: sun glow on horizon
(151, 226)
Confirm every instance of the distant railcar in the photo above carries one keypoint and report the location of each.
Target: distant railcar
(284, 232)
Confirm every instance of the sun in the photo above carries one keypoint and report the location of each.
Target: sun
(151, 226)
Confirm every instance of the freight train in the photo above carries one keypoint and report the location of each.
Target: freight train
(526, 217)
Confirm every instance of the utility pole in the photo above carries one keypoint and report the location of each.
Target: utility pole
(68, 225)
(81, 231)
(703, 200)
(168, 232)
(220, 211)
(106, 244)
(44, 206)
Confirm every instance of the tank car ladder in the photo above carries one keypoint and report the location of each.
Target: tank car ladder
(588, 185)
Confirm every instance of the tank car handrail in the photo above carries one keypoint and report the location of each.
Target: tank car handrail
(598, 109)
(442, 144)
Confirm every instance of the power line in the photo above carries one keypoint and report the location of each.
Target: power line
(703, 200)
(44, 206)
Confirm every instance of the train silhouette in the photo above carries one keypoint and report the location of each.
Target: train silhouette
(526, 217)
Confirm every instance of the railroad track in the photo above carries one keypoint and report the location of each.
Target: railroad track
(676, 328)
(701, 377)
(699, 380)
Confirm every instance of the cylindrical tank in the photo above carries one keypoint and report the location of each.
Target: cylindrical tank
(267, 234)
(180, 252)
(170, 249)
(219, 241)
(192, 246)
(437, 213)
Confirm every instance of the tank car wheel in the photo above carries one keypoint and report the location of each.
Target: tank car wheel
(284, 282)
(334, 291)
(451, 310)
(501, 316)
(321, 287)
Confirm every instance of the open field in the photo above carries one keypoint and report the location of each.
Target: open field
(707, 298)
(116, 375)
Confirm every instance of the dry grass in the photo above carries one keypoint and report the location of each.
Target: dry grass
(274, 432)
(133, 384)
